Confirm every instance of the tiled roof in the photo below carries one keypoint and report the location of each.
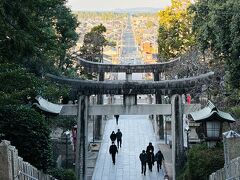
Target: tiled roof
(47, 106)
(211, 111)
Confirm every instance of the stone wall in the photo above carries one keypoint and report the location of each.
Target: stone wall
(231, 169)
(13, 167)
(233, 147)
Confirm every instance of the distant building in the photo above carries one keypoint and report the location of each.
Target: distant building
(147, 47)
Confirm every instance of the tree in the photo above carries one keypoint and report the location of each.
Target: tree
(217, 27)
(93, 44)
(19, 87)
(175, 36)
(66, 35)
(28, 131)
(36, 34)
(35, 37)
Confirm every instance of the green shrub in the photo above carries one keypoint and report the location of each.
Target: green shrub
(27, 130)
(63, 174)
(202, 161)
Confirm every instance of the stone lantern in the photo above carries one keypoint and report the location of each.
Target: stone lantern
(211, 120)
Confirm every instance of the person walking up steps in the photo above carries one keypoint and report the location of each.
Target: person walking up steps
(150, 159)
(113, 150)
(119, 138)
(117, 117)
(150, 147)
(113, 137)
(143, 159)
(159, 158)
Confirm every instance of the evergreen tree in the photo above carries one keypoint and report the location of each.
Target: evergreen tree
(27, 129)
(29, 132)
(36, 33)
(217, 27)
(93, 44)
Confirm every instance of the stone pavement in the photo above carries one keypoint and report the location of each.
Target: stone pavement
(137, 133)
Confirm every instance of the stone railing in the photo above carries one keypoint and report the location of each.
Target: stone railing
(231, 169)
(229, 172)
(165, 171)
(13, 167)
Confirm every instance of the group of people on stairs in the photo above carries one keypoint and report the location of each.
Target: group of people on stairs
(148, 157)
(113, 149)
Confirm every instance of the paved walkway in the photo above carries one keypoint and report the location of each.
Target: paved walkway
(137, 133)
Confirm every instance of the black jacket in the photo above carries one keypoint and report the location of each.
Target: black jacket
(150, 148)
(150, 157)
(143, 157)
(159, 156)
(113, 149)
(119, 135)
(113, 137)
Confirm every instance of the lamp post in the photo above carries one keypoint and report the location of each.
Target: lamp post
(213, 132)
(211, 120)
(187, 130)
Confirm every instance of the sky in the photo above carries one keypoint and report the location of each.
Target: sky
(105, 5)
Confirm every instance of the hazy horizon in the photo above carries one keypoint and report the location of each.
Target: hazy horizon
(110, 5)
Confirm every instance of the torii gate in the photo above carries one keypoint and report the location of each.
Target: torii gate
(129, 89)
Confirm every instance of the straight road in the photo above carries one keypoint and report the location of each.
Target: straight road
(129, 52)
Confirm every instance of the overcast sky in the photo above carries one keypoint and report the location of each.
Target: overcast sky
(100, 5)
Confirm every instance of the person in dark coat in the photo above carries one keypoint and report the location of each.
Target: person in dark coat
(159, 158)
(150, 147)
(113, 136)
(150, 159)
(119, 138)
(117, 117)
(113, 150)
(143, 159)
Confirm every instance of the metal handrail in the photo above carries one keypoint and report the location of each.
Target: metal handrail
(233, 178)
(27, 175)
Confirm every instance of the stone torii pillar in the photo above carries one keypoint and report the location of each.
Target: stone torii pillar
(98, 122)
(177, 135)
(82, 138)
(159, 118)
(132, 98)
